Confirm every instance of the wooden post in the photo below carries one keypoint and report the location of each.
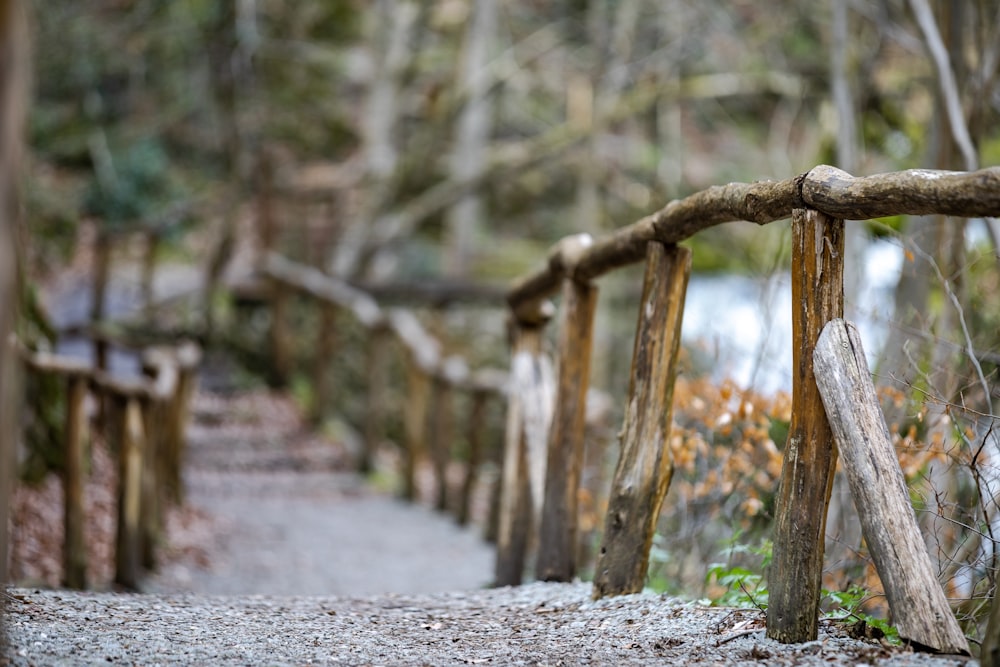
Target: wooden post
(152, 238)
(645, 464)
(150, 503)
(375, 411)
(919, 608)
(281, 356)
(474, 436)
(415, 425)
(442, 434)
(516, 503)
(325, 344)
(128, 414)
(558, 533)
(187, 357)
(990, 654)
(74, 546)
(809, 457)
(102, 271)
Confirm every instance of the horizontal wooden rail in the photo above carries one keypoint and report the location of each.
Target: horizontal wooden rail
(818, 202)
(824, 188)
(419, 344)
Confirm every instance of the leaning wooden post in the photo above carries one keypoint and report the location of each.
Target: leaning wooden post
(645, 464)
(557, 547)
(516, 518)
(375, 410)
(128, 414)
(810, 458)
(474, 436)
(919, 608)
(74, 546)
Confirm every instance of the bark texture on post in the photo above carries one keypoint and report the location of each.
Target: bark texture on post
(645, 464)
(128, 417)
(809, 457)
(74, 547)
(919, 608)
(558, 532)
(516, 518)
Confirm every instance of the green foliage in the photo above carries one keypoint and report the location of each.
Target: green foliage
(745, 587)
(846, 606)
(139, 185)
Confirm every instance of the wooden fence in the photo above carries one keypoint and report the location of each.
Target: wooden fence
(143, 421)
(543, 450)
(818, 202)
(432, 377)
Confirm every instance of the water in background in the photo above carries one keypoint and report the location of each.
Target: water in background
(743, 324)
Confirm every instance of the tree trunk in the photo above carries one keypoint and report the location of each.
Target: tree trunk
(465, 217)
(810, 457)
(14, 66)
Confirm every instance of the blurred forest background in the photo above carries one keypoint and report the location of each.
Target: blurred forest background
(433, 141)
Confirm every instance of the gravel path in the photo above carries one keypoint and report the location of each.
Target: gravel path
(539, 624)
(286, 520)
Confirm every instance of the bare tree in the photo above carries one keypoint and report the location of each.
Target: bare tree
(469, 156)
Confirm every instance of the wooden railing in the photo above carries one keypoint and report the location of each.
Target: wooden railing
(539, 484)
(432, 377)
(818, 203)
(143, 422)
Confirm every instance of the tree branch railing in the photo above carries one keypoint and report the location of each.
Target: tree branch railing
(818, 202)
(432, 376)
(144, 426)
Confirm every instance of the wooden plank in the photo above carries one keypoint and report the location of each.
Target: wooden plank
(809, 456)
(645, 464)
(128, 414)
(557, 547)
(919, 608)
(74, 546)
(516, 508)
